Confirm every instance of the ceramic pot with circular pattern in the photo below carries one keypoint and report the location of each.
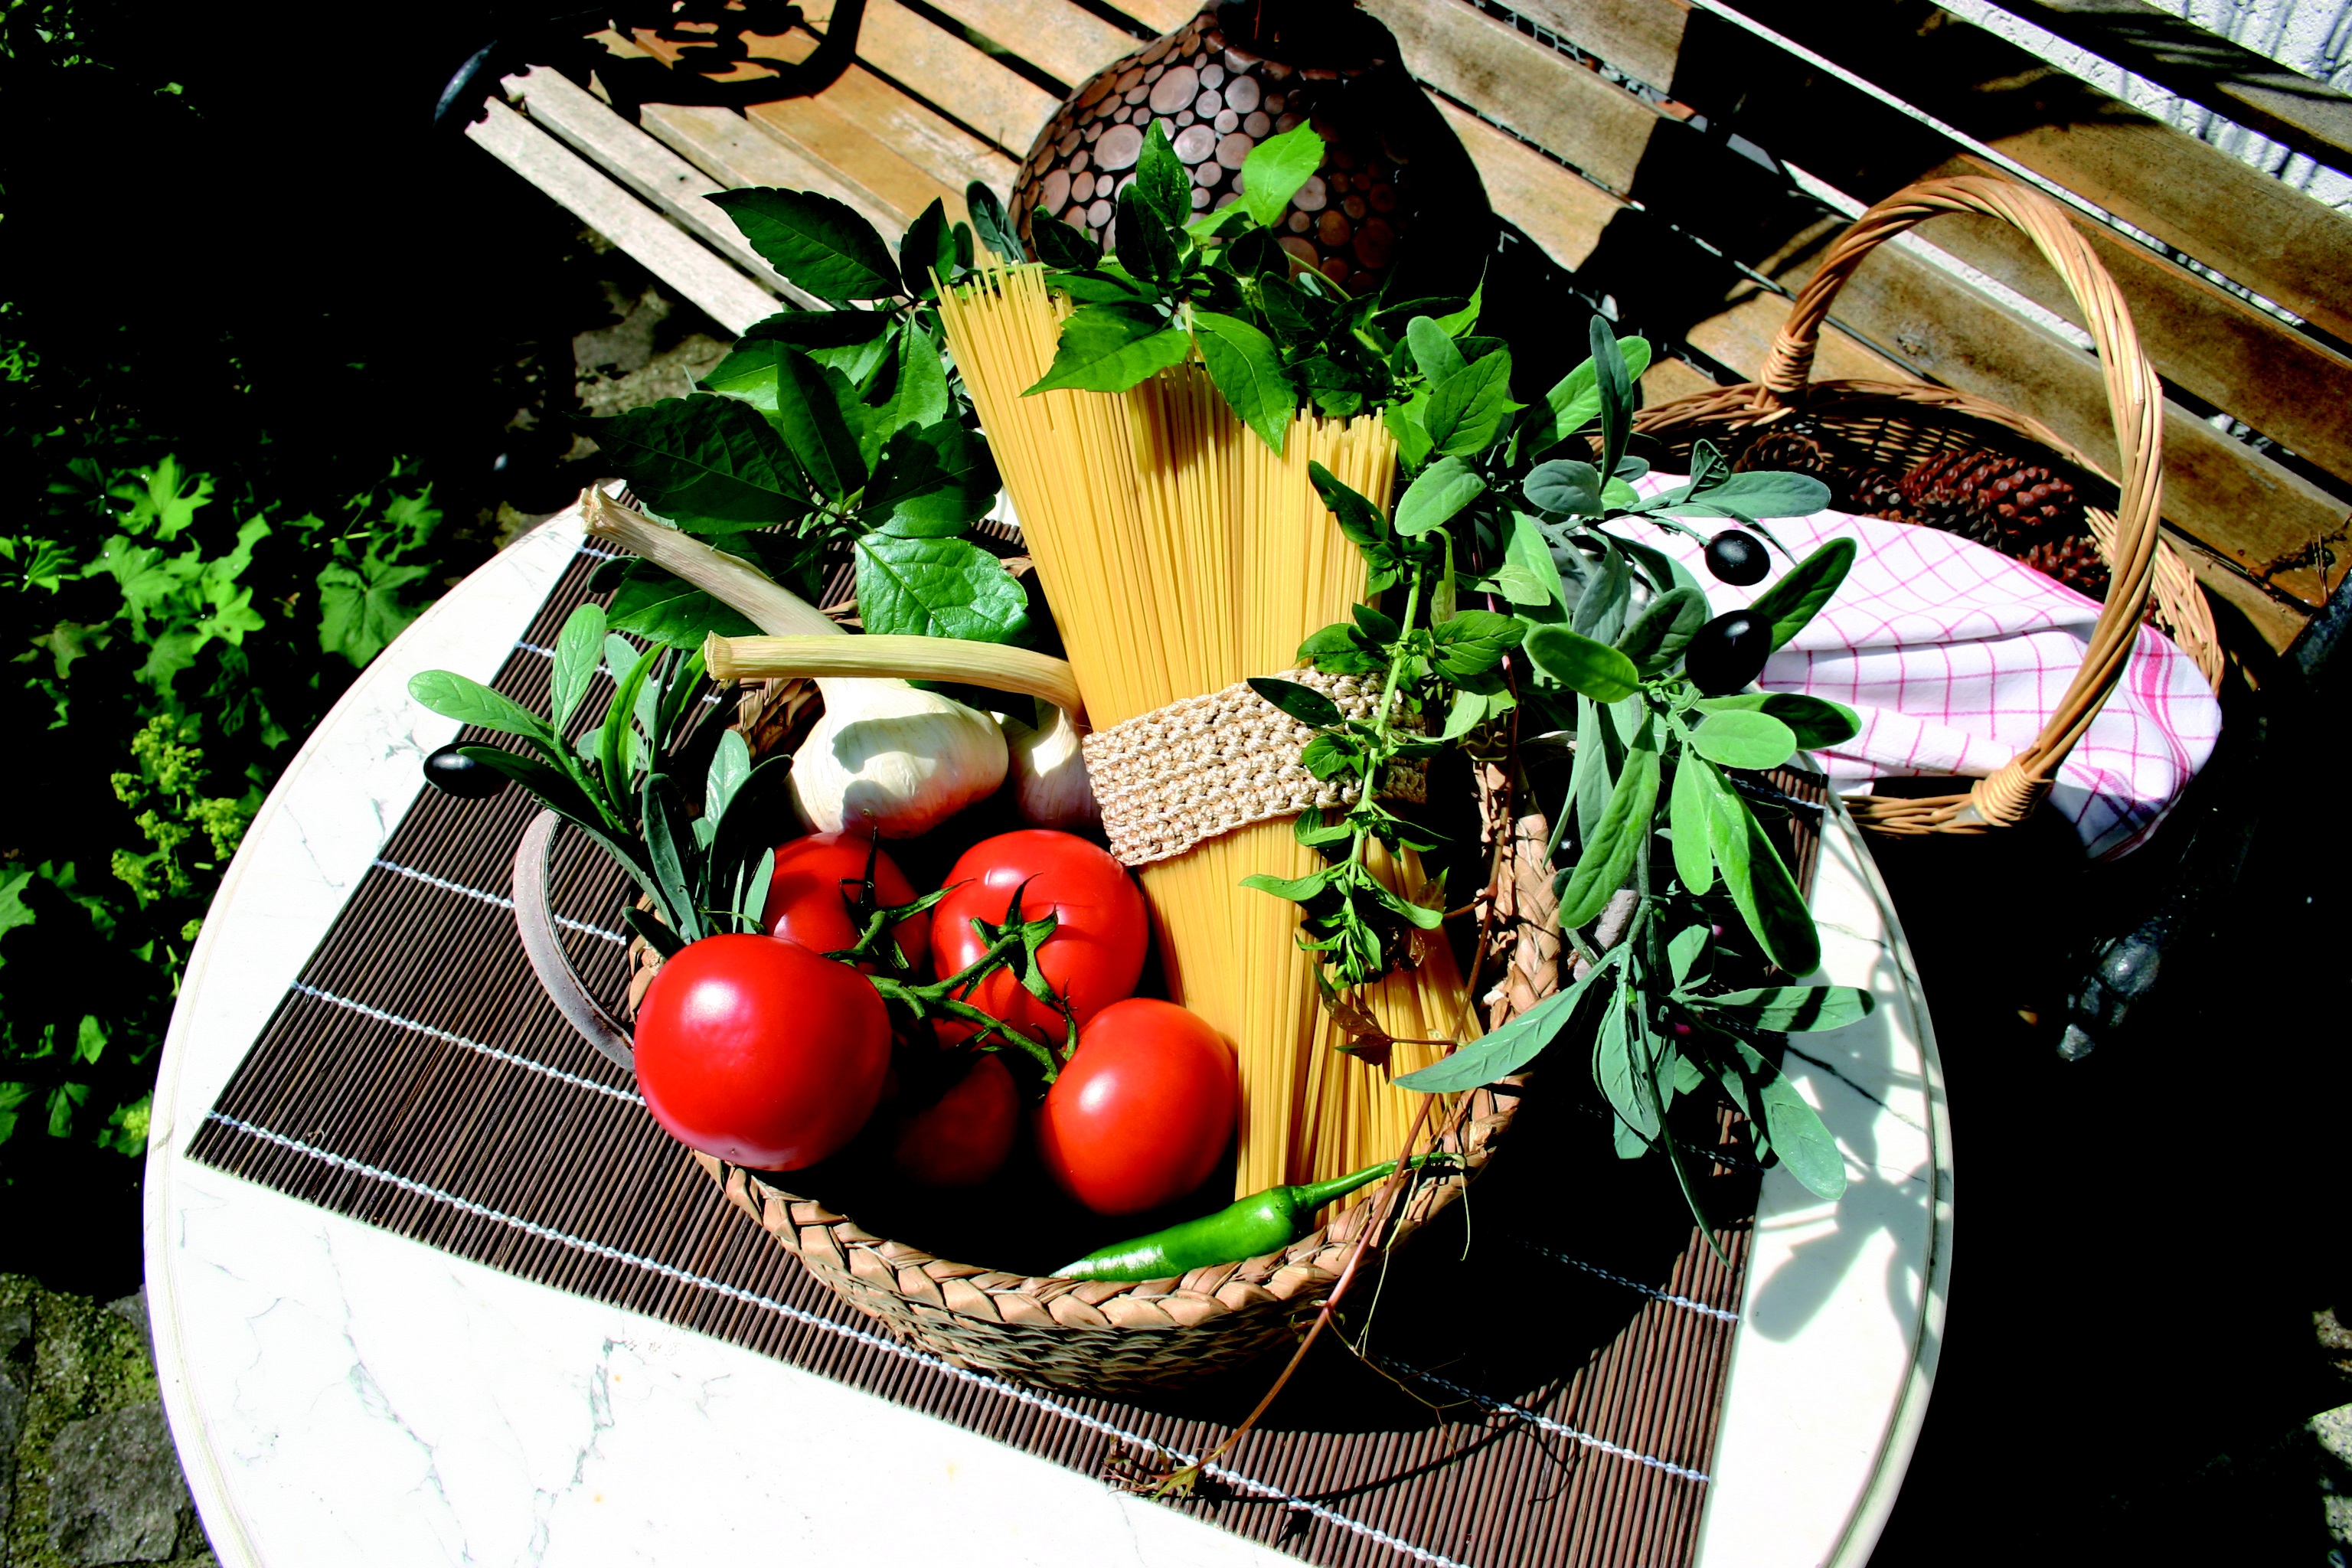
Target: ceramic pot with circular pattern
(1396, 197)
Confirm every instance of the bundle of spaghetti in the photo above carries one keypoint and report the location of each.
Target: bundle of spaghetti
(1181, 554)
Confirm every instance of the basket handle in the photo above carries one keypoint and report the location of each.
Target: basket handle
(2012, 792)
(535, 919)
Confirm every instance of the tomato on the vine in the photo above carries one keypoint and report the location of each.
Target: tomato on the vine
(963, 1138)
(760, 1051)
(1143, 1111)
(1095, 953)
(816, 880)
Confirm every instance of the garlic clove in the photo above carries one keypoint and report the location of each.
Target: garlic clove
(900, 759)
(1050, 785)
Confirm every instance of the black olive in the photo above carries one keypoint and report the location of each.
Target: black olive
(452, 771)
(1735, 556)
(1728, 653)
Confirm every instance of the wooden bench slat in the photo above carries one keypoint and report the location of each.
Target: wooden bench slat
(1644, 38)
(1006, 108)
(878, 138)
(735, 152)
(1067, 42)
(2201, 337)
(675, 188)
(1162, 17)
(722, 293)
(2260, 232)
(1561, 213)
(2206, 68)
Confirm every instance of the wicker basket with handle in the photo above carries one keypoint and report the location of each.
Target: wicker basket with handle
(1896, 426)
(1099, 1336)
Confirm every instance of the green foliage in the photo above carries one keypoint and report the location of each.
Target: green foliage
(175, 636)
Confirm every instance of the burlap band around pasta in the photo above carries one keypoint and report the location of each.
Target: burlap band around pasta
(1201, 767)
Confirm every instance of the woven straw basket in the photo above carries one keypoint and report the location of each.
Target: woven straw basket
(1097, 1336)
(1895, 426)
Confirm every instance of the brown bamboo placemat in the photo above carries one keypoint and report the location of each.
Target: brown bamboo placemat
(416, 1078)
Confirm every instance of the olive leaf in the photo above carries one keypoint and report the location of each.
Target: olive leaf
(1615, 1071)
(1803, 1144)
(1759, 884)
(1624, 831)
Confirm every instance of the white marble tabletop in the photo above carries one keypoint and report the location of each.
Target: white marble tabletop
(343, 1396)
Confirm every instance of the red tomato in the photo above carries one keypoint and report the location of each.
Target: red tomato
(1096, 952)
(817, 877)
(1143, 1111)
(761, 1052)
(963, 1139)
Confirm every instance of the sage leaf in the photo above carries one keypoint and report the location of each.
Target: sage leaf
(1575, 401)
(1593, 778)
(1683, 953)
(1601, 613)
(1759, 885)
(1624, 831)
(1614, 1069)
(1611, 380)
(1276, 168)
(1110, 348)
(1435, 354)
(1508, 1049)
(1582, 665)
(711, 456)
(1663, 628)
(1687, 810)
(1810, 584)
(1518, 585)
(1804, 1145)
(1304, 704)
(1815, 721)
(1247, 369)
(994, 224)
(1564, 487)
(469, 701)
(1744, 739)
(937, 588)
(579, 648)
(1438, 493)
(817, 242)
(1790, 1009)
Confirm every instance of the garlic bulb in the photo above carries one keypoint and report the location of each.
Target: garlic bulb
(885, 754)
(1050, 785)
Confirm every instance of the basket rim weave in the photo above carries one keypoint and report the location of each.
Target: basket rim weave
(2142, 565)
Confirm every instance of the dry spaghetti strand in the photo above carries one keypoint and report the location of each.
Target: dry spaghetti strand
(1181, 555)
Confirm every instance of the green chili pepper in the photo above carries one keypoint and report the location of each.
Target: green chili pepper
(1261, 1223)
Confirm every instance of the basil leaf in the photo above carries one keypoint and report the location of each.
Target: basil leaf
(926, 245)
(1475, 642)
(1434, 350)
(579, 648)
(1564, 487)
(1403, 420)
(1810, 584)
(1147, 244)
(1161, 181)
(1790, 1009)
(1359, 519)
(1467, 411)
(809, 417)
(1340, 649)
(1276, 168)
(1109, 348)
(711, 456)
(1623, 832)
(1582, 665)
(1805, 1145)
(1297, 889)
(1420, 916)
(1302, 703)
(931, 482)
(1575, 402)
(1061, 246)
(1435, 495)
(1663, 628)
(1247, 369)
(1687, 810)
(651, 604)
(994, 224)
(469, 701)
(817, 242)
(1742, 739)
(1508, 1049)
(937, 588)
(1760, 886)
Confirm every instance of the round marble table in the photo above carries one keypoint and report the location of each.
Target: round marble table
(343, 1396)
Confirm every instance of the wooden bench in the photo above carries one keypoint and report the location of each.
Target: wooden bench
(1690, 161)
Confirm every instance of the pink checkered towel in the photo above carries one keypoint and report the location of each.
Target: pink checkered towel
(1954, 656)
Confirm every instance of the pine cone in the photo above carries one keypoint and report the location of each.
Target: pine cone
(2073, 560)
(1785, 451)
(2003, 501)
(1855, 486)
(1869, 493)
